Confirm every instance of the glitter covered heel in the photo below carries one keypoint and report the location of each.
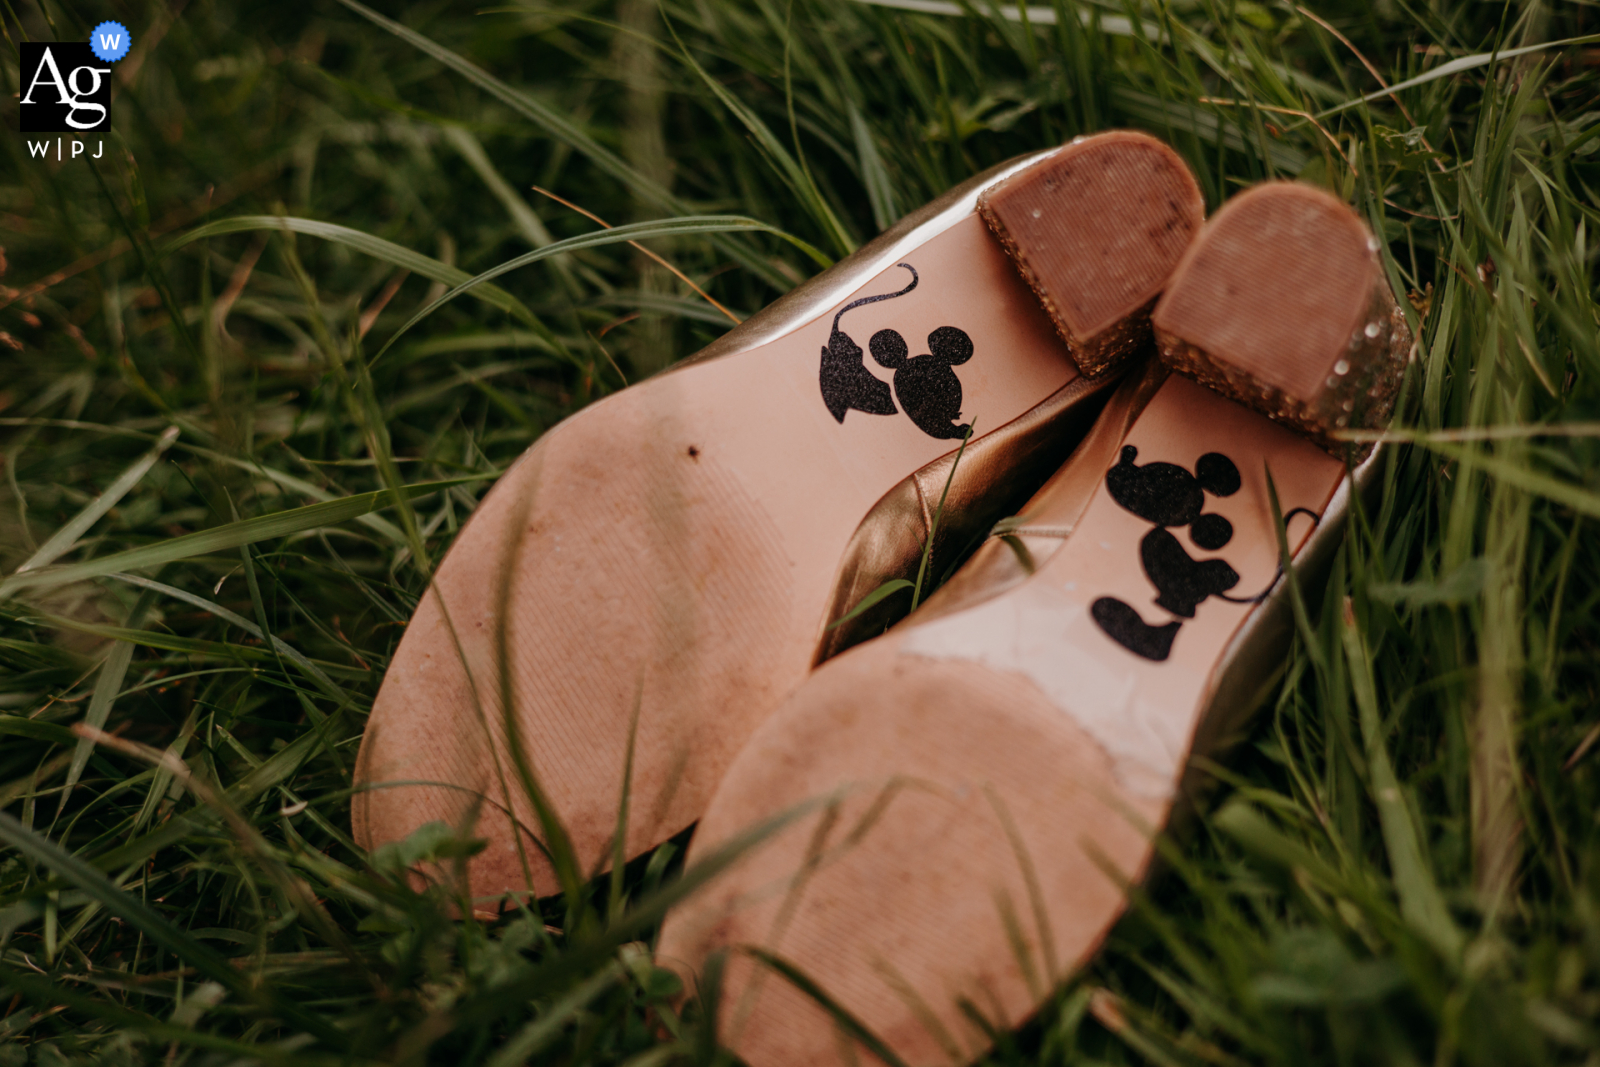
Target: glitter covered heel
(1284, 307)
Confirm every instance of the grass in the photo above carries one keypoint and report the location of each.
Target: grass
(220, 504)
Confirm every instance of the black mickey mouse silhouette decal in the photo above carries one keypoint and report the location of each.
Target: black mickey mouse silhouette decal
(928, 389)
(1168, 495)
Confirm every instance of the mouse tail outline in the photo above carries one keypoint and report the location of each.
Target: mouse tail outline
(1259, 597)
(880, 296)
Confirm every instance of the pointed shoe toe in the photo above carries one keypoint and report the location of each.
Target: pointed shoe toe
(659, 571)
(987, 775)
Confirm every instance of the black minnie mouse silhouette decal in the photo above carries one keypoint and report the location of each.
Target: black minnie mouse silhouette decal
(846, 382)
(928, 389)
(1168, 495)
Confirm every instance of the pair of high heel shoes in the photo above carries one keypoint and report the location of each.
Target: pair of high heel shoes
(668, 591)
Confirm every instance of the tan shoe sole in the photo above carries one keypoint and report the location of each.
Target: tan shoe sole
(995, 767)
(673, 554)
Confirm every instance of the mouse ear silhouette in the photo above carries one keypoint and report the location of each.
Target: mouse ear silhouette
(889, 349)
(950, 345)
(1216, 474)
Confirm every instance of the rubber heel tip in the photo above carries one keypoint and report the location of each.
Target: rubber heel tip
(1096, 229)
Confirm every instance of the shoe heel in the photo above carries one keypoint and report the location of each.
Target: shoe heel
(1282, 305)
(1096, 230)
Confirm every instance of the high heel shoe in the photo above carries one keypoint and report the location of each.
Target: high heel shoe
(992, 768)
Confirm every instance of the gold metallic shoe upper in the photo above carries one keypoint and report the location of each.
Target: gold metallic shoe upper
(817, 295)
(995, 474)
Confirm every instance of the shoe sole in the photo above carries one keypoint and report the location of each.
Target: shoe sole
(662, 565)
(992, 773)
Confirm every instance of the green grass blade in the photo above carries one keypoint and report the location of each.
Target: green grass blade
(880, 190)
(1038, 15)
(892, 586)
(93, 882)
(552, 121)
(50, 995)
(529, 225)
(537, 980)
(376, 523)
(844, 1019)
(107, 686)
(17, 726)
(533, 1038)
(234, 619)
(223, 650)
(365, 243)
(1420, 900)
(63, 540)
(1583, 501)
(1457, 66)
(232, 535)
(616, 235)
(792, 170)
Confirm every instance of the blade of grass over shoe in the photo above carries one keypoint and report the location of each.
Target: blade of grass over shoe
(677, 552)
(999, 764)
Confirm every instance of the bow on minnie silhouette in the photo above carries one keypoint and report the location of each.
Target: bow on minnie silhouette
(1168, 495)
(928, 389)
